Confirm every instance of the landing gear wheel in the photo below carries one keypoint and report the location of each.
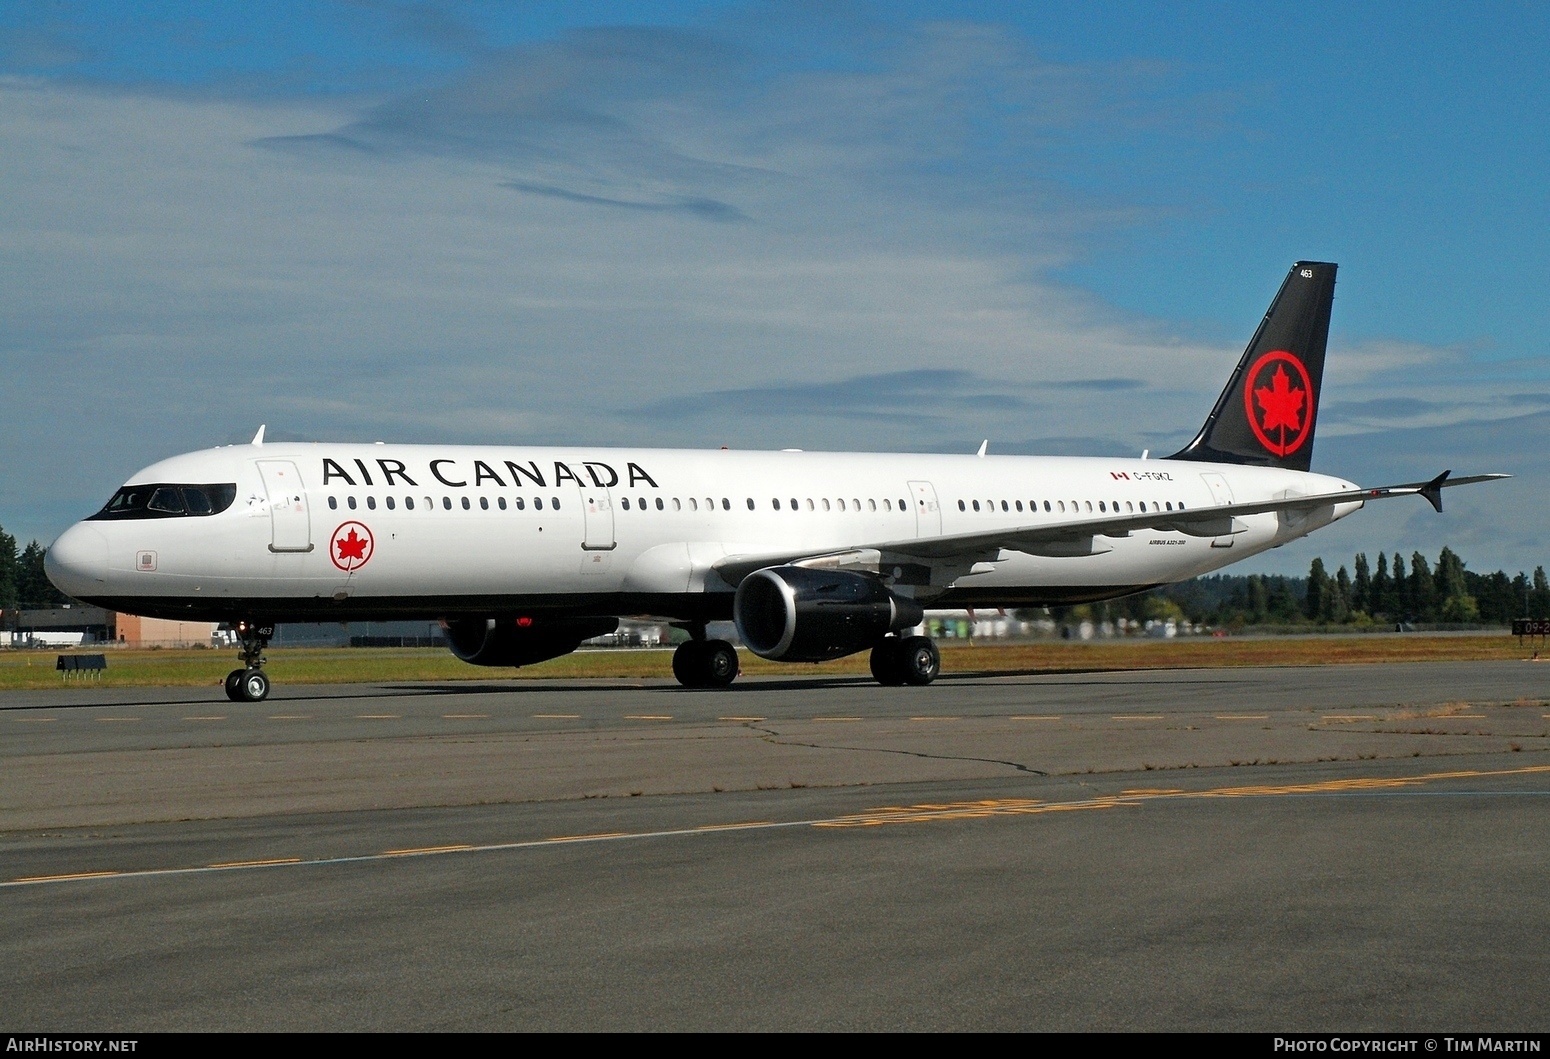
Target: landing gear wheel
(919, 661)
(719, 664)
(249, 684)
(887, 669)
(686, 662)
(705, 664)
(254, 686)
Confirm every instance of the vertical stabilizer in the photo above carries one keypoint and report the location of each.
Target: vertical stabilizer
(1268, 412)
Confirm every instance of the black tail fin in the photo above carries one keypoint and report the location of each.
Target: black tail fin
(1267, 413)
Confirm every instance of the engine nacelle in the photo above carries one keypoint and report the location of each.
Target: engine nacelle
(793, 614)
(513, 641)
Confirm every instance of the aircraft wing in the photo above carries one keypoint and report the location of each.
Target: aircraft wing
(1076, 537)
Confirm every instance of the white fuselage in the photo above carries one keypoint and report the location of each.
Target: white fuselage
(448, 530)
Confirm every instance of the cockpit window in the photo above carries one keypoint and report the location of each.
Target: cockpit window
(168, 501)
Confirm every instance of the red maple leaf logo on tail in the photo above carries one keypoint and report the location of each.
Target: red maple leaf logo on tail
(1284, 415)
(1282, 404)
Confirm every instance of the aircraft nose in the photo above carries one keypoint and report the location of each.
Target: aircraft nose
(77, 562)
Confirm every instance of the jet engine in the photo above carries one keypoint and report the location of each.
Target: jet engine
(793, 614)
(520, 641)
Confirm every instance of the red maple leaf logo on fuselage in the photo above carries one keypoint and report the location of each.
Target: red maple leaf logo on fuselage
(351, 547)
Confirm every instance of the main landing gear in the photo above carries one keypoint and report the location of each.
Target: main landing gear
(705, 663)
(906, 660)
(250, 684)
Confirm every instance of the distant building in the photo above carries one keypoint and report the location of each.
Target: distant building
(134, 631)
(81, 624)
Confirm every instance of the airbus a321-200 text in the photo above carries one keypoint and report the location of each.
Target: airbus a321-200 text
(523, 553)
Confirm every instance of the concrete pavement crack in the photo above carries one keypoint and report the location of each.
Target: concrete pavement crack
(777, 738)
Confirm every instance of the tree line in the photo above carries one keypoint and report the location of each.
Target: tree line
(23, 584)
(1389, 591)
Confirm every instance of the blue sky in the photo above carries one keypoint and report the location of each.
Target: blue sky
(901, 226)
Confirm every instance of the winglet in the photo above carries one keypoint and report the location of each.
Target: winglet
(1432, 491)
(983, 446)
(258, 439)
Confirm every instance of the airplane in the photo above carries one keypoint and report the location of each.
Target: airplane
(522, 553)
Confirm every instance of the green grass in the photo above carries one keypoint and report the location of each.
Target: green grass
(343, 665)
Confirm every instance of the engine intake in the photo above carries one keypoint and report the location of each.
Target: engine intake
(793, 614)
(512, 641)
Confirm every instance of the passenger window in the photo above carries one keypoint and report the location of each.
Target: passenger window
(1129, 506)
(855, 503)
(333, 505)
(1003, 505)
(1170, 505)
(390, 503)
(1019, 505)
(502, 502)
(676, 505)
(446, 502)
(1089, 505)
(775, 503)
(349, 502)
(694, 504)
(841, 503)
(484, 503)
(659, 503)
(430, 505)
(538, 503)
(726, 505)
(624, 502)
(1046, 505)
(872, 505)
(976, 505)
(371, 502)
(554, 502)
(826, 505)
(1062, 506)
(809, 503)
(750, 503)
(794, 505)
(1100, 505)
(518, 503)
(409, 503)
(640, 502)
(962, 506)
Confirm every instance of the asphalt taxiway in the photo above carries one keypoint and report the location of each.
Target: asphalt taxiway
(1340, 847)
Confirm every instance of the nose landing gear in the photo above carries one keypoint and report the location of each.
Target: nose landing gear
(250, 684)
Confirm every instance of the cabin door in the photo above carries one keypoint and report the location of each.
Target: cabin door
(289, 522)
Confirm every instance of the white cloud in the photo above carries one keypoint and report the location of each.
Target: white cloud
(568, 235)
